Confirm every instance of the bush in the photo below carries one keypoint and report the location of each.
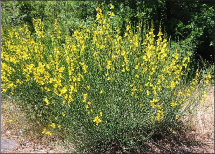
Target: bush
(98, 88)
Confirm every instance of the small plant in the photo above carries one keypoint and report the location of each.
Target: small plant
(98, 88)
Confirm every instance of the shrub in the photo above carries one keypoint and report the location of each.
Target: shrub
(98, 88)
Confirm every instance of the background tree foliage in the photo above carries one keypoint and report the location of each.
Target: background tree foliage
(191, 22)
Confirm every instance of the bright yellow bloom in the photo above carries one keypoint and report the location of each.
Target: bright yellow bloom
(153, 105)
(111, 6)
(111, 14)
(47, 101)
(136, 67)
(44, 130)
(85, 96)
(173, 104)
(97, 120)
(48, 133)
(209, 76)
(102, 91)
(137, 76)
(53, 125)
(147, 92)
(160, 33)
(108, 67)
(63, 90)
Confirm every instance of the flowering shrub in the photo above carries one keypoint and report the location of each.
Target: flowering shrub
(98, 87)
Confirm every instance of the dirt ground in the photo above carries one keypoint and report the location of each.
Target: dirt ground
(13, 126)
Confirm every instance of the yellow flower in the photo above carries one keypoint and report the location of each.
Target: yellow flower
(111, 6)
(173, 85)
(204, 95)
(48, 133)
(111, 14)
(141, 104)
(53, 125)
(47, 101)
(160, 33)
(61, 69)
(173, 104)
(152, 118)
(137, 76)
(136, 67)
(158, 106)
(153, 105)
(107, 74)
(97, 120)
(5, 106)
(109, 62)
(101, 114)
(63, 114)
(98, 9)
(108, 67)
(86, 106)
(136, 96)
(63, 90)
(134, 89)
(44, 130)
(102, 91)
(85, 96)
(209, 76)
(147, 92)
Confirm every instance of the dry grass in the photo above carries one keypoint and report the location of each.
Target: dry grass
(199, 139)
(15, 126)
(202, 123)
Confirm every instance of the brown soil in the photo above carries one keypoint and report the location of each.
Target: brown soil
(199, 139)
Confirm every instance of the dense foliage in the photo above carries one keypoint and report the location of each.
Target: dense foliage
(191, 21)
